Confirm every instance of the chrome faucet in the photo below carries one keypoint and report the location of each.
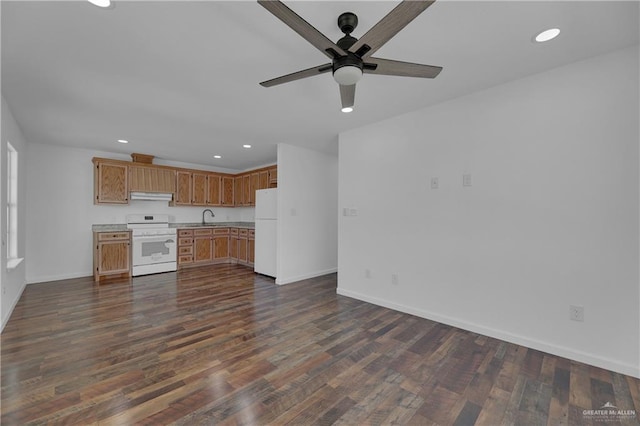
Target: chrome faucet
(207, 210)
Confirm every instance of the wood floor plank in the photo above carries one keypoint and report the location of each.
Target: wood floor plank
(222, 345)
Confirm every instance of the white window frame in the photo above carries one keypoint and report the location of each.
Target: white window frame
(12, 207)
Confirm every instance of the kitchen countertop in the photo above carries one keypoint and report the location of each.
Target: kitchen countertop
(250, 225)
(119, 227)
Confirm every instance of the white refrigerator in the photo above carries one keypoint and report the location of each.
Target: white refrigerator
(266, 232)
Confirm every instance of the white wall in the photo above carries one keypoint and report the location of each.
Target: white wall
(551, 218)
(61, 211)
(307, 221)
(12, 281)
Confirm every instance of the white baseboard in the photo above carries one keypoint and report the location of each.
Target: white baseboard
(12, 307)
(563, 351)
(48, 278)
(289, 280)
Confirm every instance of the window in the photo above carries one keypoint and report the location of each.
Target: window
(12, 202)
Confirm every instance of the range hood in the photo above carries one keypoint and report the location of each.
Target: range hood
(151, 196)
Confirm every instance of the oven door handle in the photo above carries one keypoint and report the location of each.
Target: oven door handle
(158, 238)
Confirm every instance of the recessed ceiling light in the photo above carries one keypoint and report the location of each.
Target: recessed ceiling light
(547, 35)
(347, 109)
(246, 146)
(123, 141)
(217, 156)
(101, 3)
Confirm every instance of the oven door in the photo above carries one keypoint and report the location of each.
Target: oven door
(152, 249)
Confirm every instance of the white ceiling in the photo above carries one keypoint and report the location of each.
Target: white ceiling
(179, 79)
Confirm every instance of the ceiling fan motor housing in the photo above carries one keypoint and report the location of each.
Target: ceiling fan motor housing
(347, 70)
(347, 22)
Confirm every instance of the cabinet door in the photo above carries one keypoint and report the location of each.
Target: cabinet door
(227, 191)
(202, 249)
(214, 195)
(233, 247)
(199, 189)
(264, 180)
(113, 257)
(242, 250)
(246, 190)
(151, 179)
(273, 177)
(251, 247)
(221, 247)
(183, 189)
(238, 187)
(111, 184)
(255, 185)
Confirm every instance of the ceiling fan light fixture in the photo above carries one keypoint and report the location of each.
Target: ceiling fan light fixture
(101, 3)
(547, 35)
(347, 75)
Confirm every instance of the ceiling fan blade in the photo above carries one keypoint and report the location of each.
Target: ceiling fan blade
(347, 95)
(302, 27)
(297, 75)
(404, 69)
(389, 26)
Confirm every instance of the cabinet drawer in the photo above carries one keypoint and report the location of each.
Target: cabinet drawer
(108, 236)
(199, 232)
(185, 259)
(185, 250)
(220, 231)
(185, 233)
(185, 241)
(233, 231)
(252, 233)
(243, 232)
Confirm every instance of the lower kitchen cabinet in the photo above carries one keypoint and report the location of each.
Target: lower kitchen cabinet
(112, 254)
(251, 247)
(185, 247)
(233, 244)
(204, 245)
(220, 244)
(246, 244)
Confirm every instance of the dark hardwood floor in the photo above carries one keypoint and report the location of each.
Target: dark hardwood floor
(221, 345)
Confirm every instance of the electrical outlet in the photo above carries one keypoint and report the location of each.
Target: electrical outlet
(353, 212)
(576, 313)
(394, 279)
(466, 179)
(434, 183)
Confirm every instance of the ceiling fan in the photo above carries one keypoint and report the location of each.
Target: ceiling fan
(351, 57)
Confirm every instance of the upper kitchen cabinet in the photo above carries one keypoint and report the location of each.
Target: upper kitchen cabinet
(183, 189)
(199, 189)
(227, 191)
(255, 185)
(246, 190)
(214, 194)
(114, 180)
(273, 177)
(151, 179)
(238, 191)
(263, 179)
(110, 182)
